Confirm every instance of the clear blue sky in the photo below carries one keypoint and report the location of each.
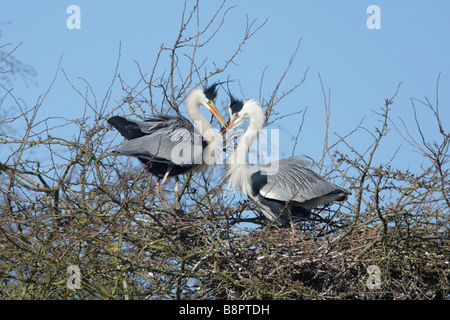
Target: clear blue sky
(361, 66)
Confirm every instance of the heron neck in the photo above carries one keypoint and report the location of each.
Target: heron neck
(240, 154)
(237, 164)
(199, 120)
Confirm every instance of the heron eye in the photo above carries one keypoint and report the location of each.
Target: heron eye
(209, 101)
(236, 114)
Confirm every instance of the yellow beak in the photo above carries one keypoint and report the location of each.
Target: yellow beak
(217, 114)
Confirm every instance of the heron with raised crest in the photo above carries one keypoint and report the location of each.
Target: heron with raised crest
(171, 145)
(284, 190)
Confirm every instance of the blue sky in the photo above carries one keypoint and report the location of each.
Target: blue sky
(361, 67)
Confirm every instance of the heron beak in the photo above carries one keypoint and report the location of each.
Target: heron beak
(230, 123)
(217, 114)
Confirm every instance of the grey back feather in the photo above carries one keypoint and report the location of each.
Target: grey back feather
(291, 179)
(169, 139)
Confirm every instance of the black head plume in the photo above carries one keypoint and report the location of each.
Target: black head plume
(211, 92)
(235, 105)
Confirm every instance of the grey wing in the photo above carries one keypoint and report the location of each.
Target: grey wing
(171, 139)
(291, 179)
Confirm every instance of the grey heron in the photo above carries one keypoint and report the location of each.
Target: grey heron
(171, 145)
(284, 190)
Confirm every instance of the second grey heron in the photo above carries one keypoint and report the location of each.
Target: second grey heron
(284, 190)
(171, 145)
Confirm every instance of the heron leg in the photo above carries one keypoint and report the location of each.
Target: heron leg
(292, 226)
(158, 192)
(161, 188)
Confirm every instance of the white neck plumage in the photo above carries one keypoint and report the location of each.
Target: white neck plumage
(238, 170)
(193, 109)
(214, 139)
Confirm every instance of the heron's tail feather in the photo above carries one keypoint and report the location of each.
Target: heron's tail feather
(127, 128)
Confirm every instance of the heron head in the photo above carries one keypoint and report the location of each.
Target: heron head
(211, 92)
(207, 98)
(239, 111)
